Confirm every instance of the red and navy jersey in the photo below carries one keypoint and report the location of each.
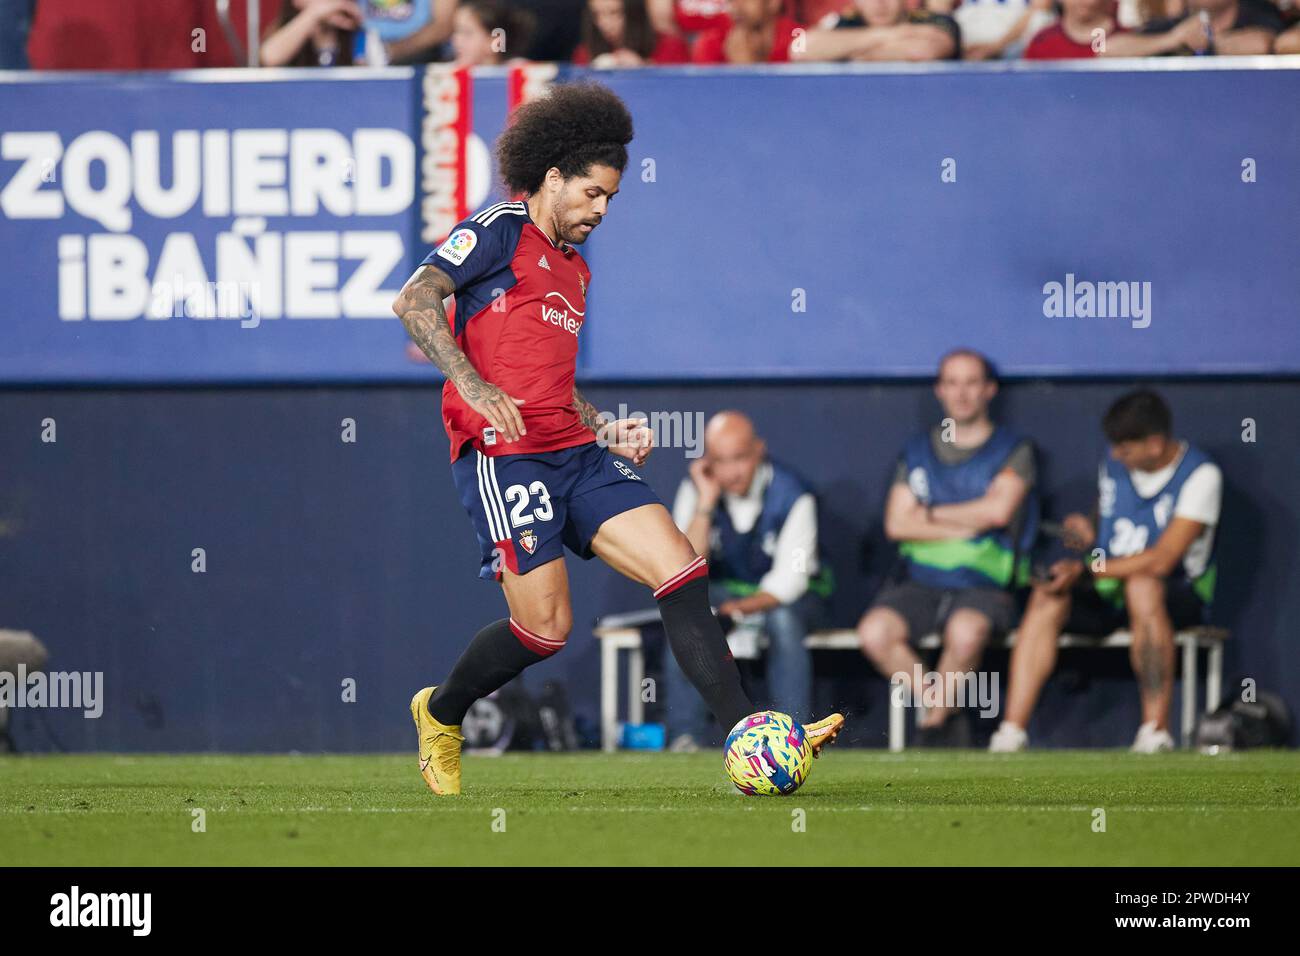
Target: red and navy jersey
(520, 302)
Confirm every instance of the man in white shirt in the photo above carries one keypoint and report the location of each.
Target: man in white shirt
(756, 521)
(1152, 567)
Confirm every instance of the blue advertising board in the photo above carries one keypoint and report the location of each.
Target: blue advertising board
(254, 226)
(852, 223)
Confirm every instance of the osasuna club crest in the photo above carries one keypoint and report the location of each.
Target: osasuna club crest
(528, 541)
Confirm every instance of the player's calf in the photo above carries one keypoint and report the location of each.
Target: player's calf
(697, 641)
(498, 654)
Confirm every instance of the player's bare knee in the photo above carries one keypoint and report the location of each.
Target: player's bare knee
(879, 631)
(1144, 595)
(675, 558)
(559, 625)
(1045, 608)
(552, 623)
(966, 633)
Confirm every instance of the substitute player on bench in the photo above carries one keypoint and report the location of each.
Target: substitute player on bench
(528, 451)
(1159, 500)
(964, 512)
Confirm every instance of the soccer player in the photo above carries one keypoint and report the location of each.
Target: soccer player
(964, 512)
(756, 521)
(533, 461)
(1158, 500)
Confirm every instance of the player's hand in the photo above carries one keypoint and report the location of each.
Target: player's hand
(732, 608)
(628, 438)
(705, 485)
(500, 409)
(1063, 575)
(1079, 533)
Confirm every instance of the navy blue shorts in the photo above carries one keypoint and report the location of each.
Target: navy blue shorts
(528, 508)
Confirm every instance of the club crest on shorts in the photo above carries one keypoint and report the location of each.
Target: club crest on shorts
(528, 541)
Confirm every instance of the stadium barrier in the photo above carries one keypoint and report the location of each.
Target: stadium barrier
(623, 632)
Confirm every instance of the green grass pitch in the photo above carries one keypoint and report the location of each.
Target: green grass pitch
(859, 807)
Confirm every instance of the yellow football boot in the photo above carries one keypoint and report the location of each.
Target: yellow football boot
(823, 732)
(439, 747)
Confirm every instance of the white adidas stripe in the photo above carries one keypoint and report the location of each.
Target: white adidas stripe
(495, 489)
(482, 493)
(504, 212)
(491, 496)
(482, 213)
(491, 213)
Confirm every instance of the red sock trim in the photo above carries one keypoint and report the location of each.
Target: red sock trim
(534, 642)
(699, 568)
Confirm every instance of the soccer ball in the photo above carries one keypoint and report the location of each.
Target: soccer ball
(767, 754)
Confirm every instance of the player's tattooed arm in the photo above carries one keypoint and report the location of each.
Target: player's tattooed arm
(587, 412)
(419, 306)
(627, 437)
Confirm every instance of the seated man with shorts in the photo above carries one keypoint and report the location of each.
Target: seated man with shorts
(964, 512)
(1153, 569)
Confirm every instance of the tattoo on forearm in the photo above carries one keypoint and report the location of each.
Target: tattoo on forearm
(420, 309)
(587, 412)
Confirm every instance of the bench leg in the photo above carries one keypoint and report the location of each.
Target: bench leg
(1214, 677)
(897, 721)
(1189, 693)
(635, 674)
(608, 696)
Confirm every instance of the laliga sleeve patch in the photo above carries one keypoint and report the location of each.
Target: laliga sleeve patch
(458, 245)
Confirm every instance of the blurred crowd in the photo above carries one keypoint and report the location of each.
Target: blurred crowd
(68, 34)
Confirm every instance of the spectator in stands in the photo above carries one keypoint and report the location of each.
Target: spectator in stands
(1082, 32)
(964, 512)
(753, 31)
(312, 33)
(815, 11)
(618, 33)
(404, 31)
(686, 16)
(1288, 41)
(1148, 10)
(488, 33)
(1158, 501)
(756, 521)
(557, 32)
(1235, 28)
(883, 30)
(999, 29)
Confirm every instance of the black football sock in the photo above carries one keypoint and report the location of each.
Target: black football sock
(497, 655)
(699, 645)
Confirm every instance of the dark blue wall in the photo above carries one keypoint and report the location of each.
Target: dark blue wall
(328, 560)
